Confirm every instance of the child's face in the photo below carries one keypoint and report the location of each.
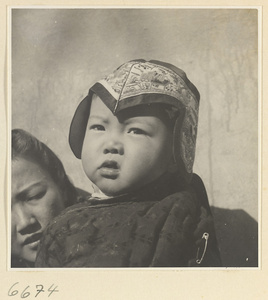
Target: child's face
(125, 152)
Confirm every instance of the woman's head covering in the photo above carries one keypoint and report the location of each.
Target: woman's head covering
(141, 82)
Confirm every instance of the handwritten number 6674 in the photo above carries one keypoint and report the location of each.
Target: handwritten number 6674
(25, 293)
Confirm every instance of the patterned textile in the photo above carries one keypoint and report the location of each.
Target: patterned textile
(137, 78)
(153, 228)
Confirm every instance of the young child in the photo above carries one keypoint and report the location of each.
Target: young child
(135, 133)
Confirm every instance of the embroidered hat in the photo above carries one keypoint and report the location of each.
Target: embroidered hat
(141, 82)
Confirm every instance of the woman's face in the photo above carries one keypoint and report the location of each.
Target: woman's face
(36, 199)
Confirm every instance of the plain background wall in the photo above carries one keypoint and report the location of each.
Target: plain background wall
(57, 54)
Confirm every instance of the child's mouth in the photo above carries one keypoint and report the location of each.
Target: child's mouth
(109, 169)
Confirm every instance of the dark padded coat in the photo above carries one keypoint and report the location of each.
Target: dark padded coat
(161, 225)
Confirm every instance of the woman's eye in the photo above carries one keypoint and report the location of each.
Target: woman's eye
(97, 127)
(36, 196)
(136, 131)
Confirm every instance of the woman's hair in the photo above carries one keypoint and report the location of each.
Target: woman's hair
(25, 145)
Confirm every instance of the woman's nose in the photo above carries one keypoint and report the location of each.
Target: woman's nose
(114, 145)
(25, 220)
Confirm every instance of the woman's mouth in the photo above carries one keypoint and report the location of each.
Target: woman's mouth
(33, 240)
(109, 169)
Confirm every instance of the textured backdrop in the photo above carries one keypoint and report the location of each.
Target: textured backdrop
(58, 53)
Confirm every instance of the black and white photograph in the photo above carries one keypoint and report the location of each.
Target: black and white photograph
(134, 141)
(142, 125)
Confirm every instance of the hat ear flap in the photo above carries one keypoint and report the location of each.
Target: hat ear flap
(182, 151)
(79, 125)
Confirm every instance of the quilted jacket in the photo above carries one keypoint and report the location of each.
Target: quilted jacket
(161, 225)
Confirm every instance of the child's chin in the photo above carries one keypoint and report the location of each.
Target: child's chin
(113, 191)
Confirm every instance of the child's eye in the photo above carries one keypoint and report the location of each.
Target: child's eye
(97, 127)
(136, 131)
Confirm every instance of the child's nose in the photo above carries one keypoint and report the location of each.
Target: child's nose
(114, 146)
